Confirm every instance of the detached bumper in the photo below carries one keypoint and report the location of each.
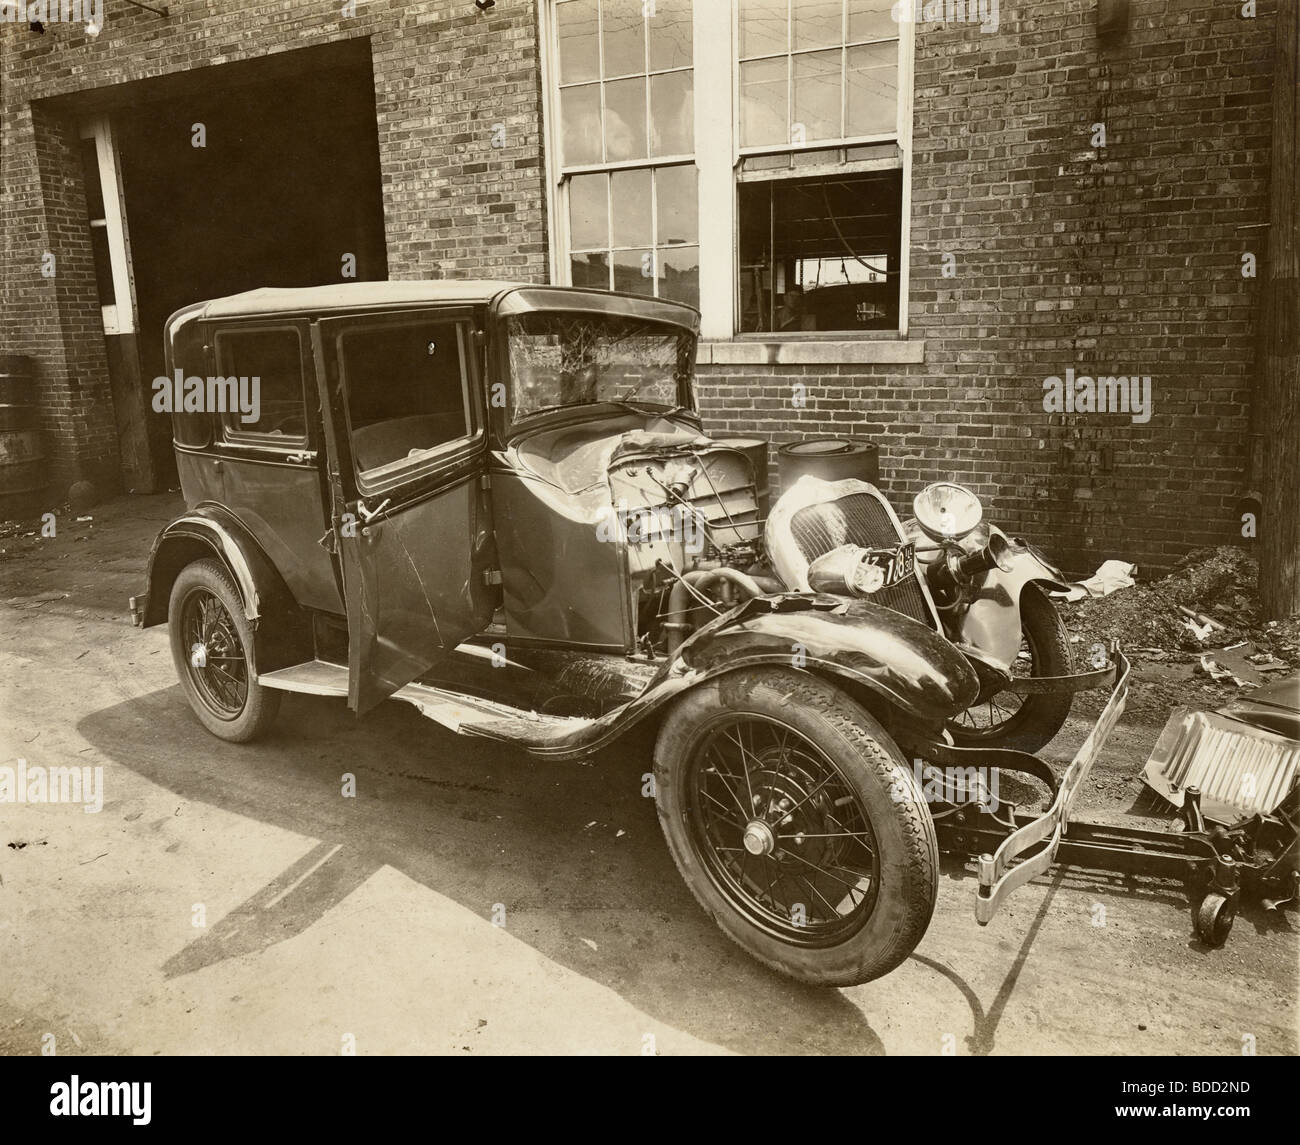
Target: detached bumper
(1001, 873)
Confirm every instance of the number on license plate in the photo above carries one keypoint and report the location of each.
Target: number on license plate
(894, 564)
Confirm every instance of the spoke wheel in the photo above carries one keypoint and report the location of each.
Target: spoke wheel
(797, 824)
(1025, 723)
(213, 649)
(781, 832)
(217, 664)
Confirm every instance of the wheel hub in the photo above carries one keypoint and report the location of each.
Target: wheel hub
(759, 838)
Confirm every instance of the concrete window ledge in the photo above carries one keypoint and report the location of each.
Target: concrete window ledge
(811, 352)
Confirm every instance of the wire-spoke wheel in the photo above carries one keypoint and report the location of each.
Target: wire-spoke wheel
(1026, 723)
(211, 643)
(797, 824)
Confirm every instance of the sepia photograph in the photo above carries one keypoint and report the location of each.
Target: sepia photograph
(649, 528)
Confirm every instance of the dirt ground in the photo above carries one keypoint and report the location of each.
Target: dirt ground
(326, 918)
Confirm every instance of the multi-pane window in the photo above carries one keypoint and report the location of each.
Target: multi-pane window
(797, 178)
(625, 73)
(814, 71)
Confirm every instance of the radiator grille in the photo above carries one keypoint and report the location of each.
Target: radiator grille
(858, 519)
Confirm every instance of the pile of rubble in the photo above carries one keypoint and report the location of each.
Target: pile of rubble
(1204, 614)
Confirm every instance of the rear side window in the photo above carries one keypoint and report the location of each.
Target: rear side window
(266, 368)
(407, 391)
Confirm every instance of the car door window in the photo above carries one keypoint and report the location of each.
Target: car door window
(259, 393)
(408, 394)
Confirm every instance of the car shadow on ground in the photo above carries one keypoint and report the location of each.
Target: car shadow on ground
(573, 850)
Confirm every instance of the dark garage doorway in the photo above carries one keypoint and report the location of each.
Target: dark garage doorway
(286, 185)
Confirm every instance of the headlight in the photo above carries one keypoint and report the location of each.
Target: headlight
(946, 511)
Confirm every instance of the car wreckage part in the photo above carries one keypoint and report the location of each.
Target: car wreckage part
(1016, 716)
(815, 517)
(797, 825)
(999, 872)
(1233, 765)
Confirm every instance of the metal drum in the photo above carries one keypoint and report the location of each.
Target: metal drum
(22, 453)
(831, 459)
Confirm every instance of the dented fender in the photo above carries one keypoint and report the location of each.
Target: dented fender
(900, 659)
(992, 622)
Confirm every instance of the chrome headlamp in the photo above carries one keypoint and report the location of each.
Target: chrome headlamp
(947, 511)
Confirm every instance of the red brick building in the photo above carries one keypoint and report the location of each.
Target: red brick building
(899, 229)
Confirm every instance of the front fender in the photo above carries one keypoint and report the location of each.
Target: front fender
(992, 622)
(900, 659)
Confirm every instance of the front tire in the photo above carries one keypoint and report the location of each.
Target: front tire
(1025, 723)
(797, 825)
(212, 648)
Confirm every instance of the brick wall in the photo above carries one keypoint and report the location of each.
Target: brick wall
(454, 204)
(1116, 261)
(1119, 260)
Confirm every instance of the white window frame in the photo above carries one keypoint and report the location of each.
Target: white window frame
(559, 175)
(717, 161)
(119, 316)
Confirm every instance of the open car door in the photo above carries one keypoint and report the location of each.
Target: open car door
(410, 517)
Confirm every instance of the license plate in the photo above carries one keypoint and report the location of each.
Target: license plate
(894, 564)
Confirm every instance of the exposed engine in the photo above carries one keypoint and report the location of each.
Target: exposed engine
(689, 514)
(696, 542)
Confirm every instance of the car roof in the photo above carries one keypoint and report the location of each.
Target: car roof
(349, 296)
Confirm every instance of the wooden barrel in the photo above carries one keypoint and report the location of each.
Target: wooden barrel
(22, 455)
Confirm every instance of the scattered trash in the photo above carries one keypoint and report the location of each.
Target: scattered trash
(590, 825)
(619, 833)
(85, 518)
(1202, 632)
(591, 944)
(1209, 667)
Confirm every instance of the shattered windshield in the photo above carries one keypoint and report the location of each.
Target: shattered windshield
(565, 359)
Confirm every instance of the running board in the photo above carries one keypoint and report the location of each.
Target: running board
(467, 715)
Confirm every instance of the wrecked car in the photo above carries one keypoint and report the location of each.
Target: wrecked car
(496, 502)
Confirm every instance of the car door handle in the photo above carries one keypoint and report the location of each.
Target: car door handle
(369, 515)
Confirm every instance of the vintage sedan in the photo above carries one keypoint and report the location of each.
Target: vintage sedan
(496, 502)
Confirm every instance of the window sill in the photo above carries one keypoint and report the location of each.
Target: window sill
(811, 352)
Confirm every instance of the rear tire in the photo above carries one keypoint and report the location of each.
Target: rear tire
(206, 609)
(833, 810)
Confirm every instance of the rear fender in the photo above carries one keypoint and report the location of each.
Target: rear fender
(906, 663)
(282, 631)
(992, 622)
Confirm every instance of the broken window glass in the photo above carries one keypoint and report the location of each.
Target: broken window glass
(820, 254)
(559, 360)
